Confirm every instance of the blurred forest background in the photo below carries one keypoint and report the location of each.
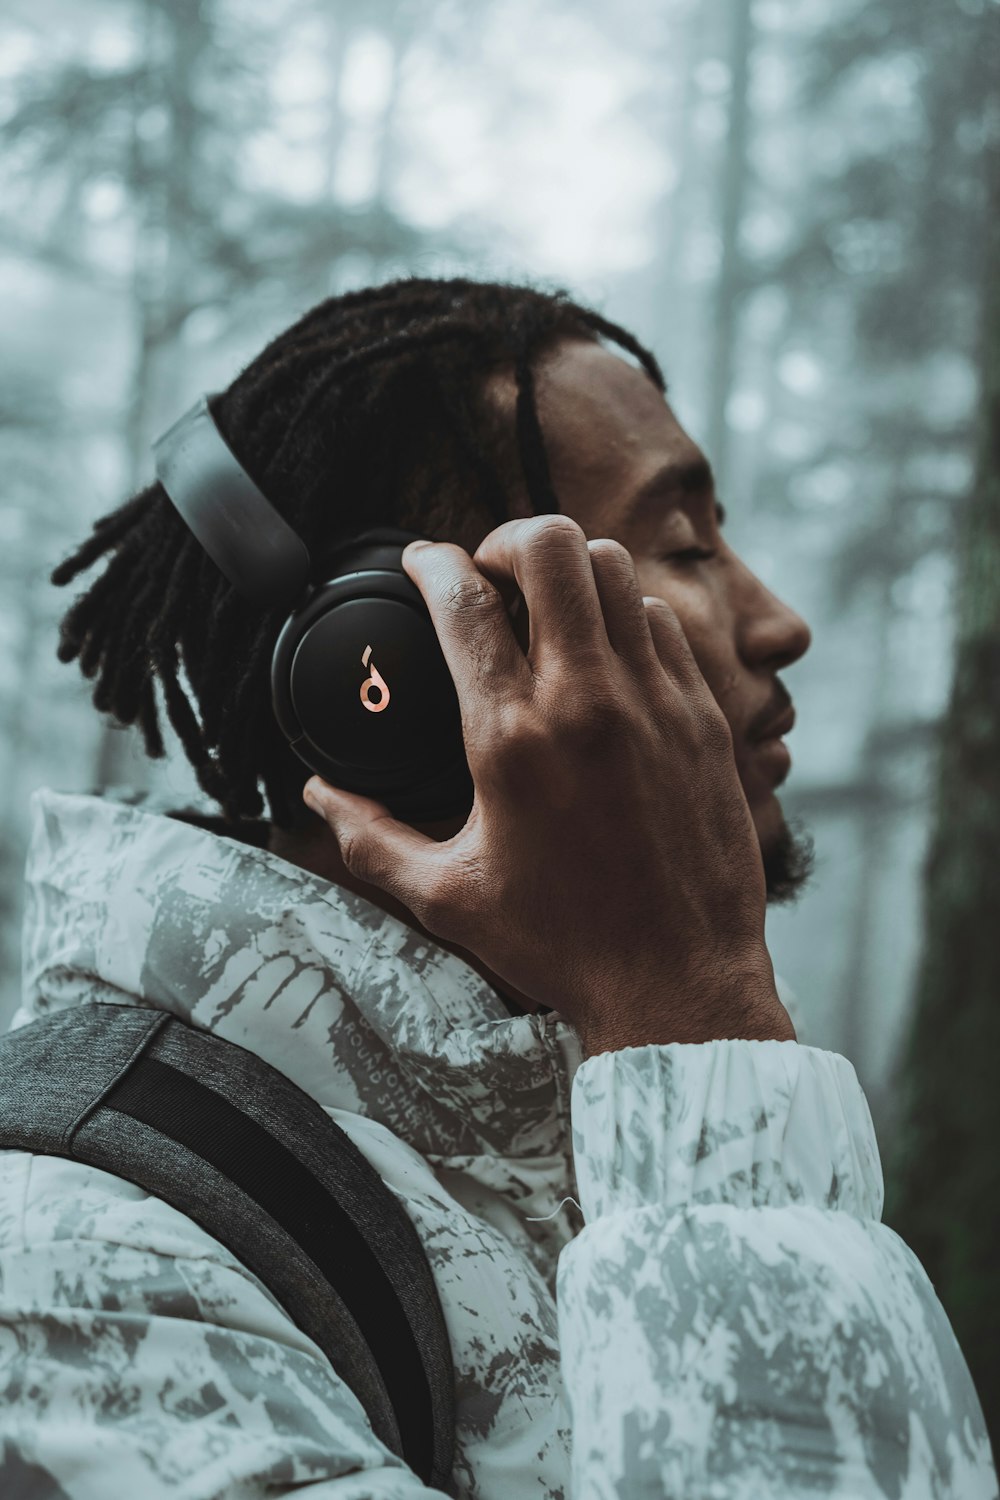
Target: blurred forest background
(794, 202)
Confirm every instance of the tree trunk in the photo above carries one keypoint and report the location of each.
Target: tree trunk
(728, 289)
(944, 1182)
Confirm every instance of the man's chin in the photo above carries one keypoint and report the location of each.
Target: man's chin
(789, 856)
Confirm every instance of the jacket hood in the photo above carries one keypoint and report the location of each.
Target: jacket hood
(129, 906)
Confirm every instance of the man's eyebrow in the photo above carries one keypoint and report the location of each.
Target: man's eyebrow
(676, 479)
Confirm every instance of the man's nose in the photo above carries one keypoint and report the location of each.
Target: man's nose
(772, 634)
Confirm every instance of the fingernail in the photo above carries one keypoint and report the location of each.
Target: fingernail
(412, 546)
(311, 799)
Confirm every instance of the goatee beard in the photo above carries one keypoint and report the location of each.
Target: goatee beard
(788, 862)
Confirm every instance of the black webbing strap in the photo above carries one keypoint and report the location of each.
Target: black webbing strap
(207, 1124)
(231, 1142)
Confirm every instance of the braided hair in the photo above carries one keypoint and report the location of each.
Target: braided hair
(371, 410)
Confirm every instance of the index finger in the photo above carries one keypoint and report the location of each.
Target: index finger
(548, 559)
(472, 625)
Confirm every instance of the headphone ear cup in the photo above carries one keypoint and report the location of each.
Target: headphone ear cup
(359, 683)
(363, 693)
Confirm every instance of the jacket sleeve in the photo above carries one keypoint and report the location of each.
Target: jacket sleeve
(734, 1319)
(137, 1359)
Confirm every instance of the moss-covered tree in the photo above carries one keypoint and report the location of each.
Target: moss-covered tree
(943, 1178)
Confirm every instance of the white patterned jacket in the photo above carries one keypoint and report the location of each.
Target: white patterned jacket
(726, 1319)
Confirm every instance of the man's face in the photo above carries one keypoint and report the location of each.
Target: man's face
(623, 467)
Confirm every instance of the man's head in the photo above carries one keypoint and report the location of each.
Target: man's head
(444, 407)
(623, 467)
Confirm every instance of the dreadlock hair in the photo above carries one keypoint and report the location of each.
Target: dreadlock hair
(371, 410)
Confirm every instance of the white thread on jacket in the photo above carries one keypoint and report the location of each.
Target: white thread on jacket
(531, 1220)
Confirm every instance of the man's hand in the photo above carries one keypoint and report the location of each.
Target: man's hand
(609, 868)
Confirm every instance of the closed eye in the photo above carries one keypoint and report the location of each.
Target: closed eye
(690, 554)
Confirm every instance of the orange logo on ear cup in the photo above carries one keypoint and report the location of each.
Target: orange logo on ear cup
(376, 680)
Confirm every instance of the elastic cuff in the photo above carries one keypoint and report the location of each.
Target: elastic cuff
(752, 1124)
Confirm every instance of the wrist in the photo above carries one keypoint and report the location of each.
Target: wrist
(732, 1006)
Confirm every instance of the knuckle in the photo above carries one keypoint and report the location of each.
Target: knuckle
(511, 722)
(655, 605)
(447, 902)
(713, 729)
(355, 852)
(552, 531)
(594, 723)
(694, 724)
(523, 756)
(431, 907)
(669, 630)
(470, 593)
(671, 643)
(610, 553)
(518, 736)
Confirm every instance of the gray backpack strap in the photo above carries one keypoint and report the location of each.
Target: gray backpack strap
(237, 1147)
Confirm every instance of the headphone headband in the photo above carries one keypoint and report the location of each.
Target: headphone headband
(359, 684)
(237, 525)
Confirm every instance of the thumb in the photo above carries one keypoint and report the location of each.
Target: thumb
(376, 847)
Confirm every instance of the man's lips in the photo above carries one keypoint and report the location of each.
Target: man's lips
(777, 727)
(771, 749)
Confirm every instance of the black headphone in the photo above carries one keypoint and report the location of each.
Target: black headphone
(359, 683)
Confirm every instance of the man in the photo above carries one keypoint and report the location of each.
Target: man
(565, 1001)
(634, 475)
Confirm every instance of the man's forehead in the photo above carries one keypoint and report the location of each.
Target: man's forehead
(585, 377)
(616, 449)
